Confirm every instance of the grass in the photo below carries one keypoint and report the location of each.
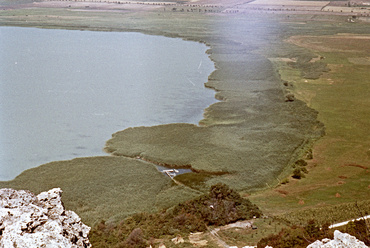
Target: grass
(191, 216)
(247, 236)
(109, 188)
(194, 180)
(339, 170)
(251, 137)
(330, 214)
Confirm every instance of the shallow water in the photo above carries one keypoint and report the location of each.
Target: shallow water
(63, 93)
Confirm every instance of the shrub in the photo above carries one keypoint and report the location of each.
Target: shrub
(297, 173)
(309, 154)
(300, 168)
(304, 170)
(286, 238)
(285, 181)
(309, 70)
(222, 205)
(300, 162)
(135, 239)
(296, 237)
(289, 97)
(312, 229)
(359, 229)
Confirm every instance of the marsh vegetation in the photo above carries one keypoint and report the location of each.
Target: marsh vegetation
(251, 138)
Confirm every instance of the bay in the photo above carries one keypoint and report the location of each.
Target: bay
(64, 92)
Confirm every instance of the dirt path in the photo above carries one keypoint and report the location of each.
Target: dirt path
(249, 223)
(346, 222)
(239, 224)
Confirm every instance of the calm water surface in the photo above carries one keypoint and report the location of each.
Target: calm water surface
(63, 93)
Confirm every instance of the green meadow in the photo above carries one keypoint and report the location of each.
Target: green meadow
(339, 168)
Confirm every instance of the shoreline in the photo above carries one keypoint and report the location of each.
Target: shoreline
(193, 118)
(208, 111)
(250, 137)
(242, 130)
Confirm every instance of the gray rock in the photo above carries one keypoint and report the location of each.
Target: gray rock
(27, 220)
(341, 240)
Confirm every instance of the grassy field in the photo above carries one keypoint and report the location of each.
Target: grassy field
(252, 136)
(109, 188)
(339, 170)
(248, 236)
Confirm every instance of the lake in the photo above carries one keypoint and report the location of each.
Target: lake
(64, 92)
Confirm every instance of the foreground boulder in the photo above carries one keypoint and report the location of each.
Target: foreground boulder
(27, 220)
(340, 240)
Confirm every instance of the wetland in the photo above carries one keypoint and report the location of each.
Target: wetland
(64, 92)
(248, 140)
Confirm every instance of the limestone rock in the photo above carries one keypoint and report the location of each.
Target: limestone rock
(27, 220)
(341, 240)
(178, 240)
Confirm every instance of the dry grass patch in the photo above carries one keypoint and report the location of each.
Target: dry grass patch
(347, 43)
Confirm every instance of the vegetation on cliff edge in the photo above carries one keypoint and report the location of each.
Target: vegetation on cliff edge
(220, 206)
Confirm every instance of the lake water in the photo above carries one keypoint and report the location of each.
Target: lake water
(63, 93)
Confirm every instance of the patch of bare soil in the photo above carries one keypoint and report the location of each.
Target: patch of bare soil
(239, 224)
(197, 239)
(283, 192)
(357, 165)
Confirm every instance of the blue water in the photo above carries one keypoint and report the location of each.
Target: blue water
(63, 93)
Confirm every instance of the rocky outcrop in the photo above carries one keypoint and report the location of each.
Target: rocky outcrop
(27, 220)
(178, 240)
(340, 240)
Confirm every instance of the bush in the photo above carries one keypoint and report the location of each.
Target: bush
(312, 229)
(304, 170)
(300, 162)
(309, 70)
(359, 230)
(289, 97)
(309, 154)
(286, 238)
(285, 181)
(297, 173)
(296, 237)
(135, 239)
(222, 205)
(300, 168)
